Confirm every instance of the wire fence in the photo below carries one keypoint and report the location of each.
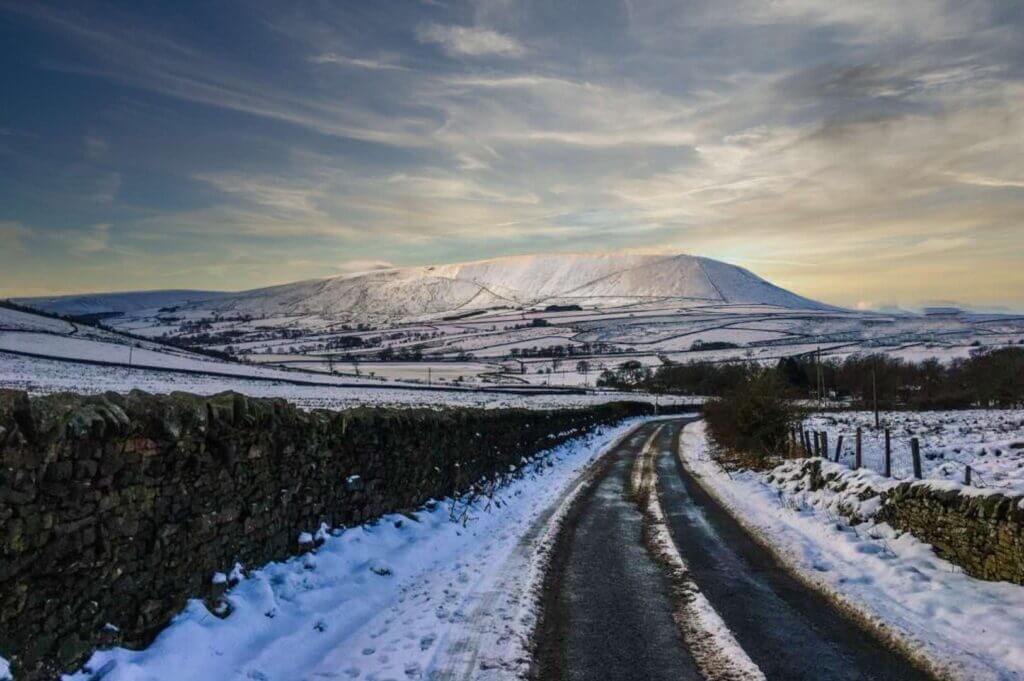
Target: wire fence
(889, 457)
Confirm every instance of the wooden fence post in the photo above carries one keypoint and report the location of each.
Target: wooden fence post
(839, 448)
(915, 453)
(967, 476)
(888, 454)
(817, 443)
(857, 456)
(824, 444)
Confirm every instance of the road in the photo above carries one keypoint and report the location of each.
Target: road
(608, 604)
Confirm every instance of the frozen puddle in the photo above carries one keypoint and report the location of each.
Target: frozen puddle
(400, 599)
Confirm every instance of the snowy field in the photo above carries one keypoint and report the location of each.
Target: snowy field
(40, 377)
(532, 318)
(408, 597)
(963, 627)
(990, 441)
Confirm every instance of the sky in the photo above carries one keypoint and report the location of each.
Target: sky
(863, 153)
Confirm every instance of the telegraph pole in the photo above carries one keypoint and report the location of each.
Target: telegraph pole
(821, 380)
(874, 396)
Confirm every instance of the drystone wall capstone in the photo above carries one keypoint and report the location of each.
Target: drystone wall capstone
(116, 509)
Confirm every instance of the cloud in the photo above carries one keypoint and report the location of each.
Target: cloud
(89, 241)
(13, 234)
(95, 146)
(469, 41)
(360, 266)
(360, 63)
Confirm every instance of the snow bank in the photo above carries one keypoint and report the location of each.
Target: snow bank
(962, 627)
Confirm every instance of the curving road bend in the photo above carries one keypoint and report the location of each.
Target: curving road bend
(608, 604)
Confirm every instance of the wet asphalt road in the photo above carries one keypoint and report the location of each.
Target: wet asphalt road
(611, 616)
(608, 612)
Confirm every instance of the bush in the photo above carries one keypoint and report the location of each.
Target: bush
(751, 423)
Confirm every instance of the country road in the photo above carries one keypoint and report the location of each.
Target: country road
(609, 603)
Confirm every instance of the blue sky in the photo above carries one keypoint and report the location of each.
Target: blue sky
(862, 153)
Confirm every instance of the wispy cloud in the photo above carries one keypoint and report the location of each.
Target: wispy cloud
(356, 62)
(470, 41)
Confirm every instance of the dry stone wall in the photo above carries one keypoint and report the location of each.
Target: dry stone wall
(114, 510)
(979, 530)
(982, 533)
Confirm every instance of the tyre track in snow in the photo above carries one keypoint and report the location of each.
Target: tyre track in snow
(608, 613)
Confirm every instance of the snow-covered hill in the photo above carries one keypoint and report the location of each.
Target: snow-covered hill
(520, 281)
(597, 280)
(106, 303)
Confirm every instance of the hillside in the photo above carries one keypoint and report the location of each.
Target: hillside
(107, 303)
(522, 281)
(597, 280)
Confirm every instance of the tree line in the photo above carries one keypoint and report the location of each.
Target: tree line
(988, 378)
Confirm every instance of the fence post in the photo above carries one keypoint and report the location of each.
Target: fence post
(888, 454)
(824, 444)
(967, 476)
(857, 455)
(839, 448)
(915, 453)
(817, 443)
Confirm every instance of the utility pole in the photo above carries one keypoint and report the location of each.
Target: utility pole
(874, 396)
(821, 380)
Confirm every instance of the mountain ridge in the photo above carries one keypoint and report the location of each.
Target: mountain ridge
(596, 279)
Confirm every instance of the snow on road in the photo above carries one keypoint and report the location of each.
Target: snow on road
(712, 645)
(403, 598)
(963, 627)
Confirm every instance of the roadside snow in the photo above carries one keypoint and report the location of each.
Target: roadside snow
(408, 597)
(963, 627)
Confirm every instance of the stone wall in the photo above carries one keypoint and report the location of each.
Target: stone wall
(979, 530)
(115, 510)
(982, 533)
